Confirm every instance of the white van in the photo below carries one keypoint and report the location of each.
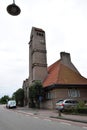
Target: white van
(11, 104)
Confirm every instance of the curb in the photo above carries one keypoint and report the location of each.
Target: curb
(63, 118)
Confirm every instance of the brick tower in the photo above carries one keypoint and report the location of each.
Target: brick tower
(37, 55)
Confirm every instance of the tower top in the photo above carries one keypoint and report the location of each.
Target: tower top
(37, 29)
(37, 32)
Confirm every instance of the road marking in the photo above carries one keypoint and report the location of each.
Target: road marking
(26, 115)
(36, 117)
(30, 114)
(47, 119)
(65, 123)
(84, 127)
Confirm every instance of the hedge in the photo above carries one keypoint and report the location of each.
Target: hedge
(82, 110)
(76, 110)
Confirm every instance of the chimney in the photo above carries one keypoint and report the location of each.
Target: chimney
(65, 58)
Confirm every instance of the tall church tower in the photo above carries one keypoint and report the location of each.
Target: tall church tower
(37, 55)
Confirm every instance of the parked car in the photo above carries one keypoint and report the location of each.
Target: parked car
(11, 104)
(65, 104)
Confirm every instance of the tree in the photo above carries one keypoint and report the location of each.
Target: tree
(19, 97)
(35, 94)
(4, 99)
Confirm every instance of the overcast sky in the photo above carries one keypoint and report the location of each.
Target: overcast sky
(65, 24)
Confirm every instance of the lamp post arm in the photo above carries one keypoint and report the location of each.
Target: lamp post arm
(13, 1)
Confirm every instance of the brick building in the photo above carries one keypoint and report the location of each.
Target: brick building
(60, 80)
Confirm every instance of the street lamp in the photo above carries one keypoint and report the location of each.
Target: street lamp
(13, 9)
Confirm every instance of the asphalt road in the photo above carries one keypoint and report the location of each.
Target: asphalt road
(12, 120)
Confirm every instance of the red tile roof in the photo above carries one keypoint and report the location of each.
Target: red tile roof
(58, 73)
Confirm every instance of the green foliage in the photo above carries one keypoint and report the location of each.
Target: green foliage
(35, 94)
(82, 110)
(79, 109)
(19, 96)
(4, 99)
(81, 104)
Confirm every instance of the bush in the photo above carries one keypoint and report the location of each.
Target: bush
(82, 110)
(81, 104)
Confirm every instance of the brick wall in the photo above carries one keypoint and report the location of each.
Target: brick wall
(63, 94)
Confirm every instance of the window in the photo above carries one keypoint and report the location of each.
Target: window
(49, 95)
(68, 101)
(40, 34)
(42, 41)
(73, 93)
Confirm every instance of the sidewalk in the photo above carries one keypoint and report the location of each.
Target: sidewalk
(52, 114)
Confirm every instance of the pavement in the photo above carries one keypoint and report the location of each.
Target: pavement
(52, 114)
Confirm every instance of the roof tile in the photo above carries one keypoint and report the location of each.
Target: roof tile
(58, 73)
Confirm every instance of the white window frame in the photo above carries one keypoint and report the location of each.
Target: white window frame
(73, 92)
(49, 95)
